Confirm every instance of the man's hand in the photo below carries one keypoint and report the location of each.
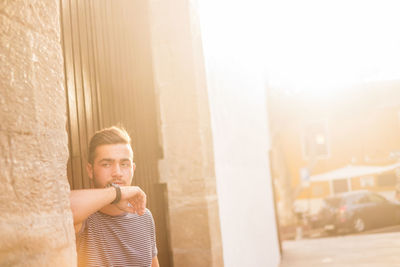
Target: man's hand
(85, 202)
(133, 200)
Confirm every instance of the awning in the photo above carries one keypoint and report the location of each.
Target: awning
(353, 171)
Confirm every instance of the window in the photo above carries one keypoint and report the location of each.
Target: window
(362, 200)
(367, 181)
(315, 140)
(387, 179)
(376, 198)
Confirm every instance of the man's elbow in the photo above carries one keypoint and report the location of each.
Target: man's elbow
(77, 227)
(154, 262)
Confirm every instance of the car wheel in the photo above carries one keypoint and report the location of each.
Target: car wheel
(358, 225)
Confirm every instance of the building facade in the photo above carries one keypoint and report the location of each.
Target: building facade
(345, 141)
(70, 68)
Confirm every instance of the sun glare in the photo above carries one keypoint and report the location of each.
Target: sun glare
(318, 45)
(309, 45)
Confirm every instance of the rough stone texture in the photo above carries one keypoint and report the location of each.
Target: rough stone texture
(188, 165)
(36, 226)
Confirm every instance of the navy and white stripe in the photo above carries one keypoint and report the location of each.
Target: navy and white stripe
(124, 240)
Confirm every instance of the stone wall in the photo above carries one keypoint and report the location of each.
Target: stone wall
(188, 164)
(36, 226)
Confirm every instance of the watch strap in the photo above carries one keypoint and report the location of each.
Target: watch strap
(117, 191)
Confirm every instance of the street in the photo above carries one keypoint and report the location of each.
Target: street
(378, 248)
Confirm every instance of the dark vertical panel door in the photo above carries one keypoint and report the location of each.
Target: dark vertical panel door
(109, 81)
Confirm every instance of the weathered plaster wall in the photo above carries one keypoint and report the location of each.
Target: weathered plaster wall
(188, 164)
(35, 221)
(232, 35)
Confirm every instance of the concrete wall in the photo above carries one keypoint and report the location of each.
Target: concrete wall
(36, 226)
(187, 167)
(232, 36)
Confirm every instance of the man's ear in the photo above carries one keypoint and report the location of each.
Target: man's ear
(133, 166)
(89, 169)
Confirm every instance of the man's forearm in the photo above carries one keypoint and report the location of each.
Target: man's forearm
(154, 262)
(87, 201)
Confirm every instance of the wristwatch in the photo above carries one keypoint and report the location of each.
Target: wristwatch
(117, 191)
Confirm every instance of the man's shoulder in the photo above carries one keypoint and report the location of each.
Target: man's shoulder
(148, 212)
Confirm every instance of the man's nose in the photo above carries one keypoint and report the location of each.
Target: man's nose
(117, 170)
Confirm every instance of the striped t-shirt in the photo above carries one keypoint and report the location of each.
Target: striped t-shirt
(124, 240)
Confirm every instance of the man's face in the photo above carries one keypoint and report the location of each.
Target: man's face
(112, 164)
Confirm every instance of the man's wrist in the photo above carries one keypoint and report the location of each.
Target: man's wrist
(117, 193)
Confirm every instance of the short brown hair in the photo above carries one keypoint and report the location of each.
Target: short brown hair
(107, 136)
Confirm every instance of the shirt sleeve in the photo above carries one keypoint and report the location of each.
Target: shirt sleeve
(154, 250)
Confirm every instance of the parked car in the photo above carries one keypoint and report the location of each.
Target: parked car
(356, 211)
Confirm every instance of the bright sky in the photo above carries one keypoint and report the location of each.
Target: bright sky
(311, 45)
(325, 44)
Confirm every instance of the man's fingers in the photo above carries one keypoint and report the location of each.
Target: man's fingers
(132, 208)
(136, 199)
(139, 206)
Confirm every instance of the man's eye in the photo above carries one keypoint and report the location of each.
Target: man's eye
(126, 165)
(106, 165)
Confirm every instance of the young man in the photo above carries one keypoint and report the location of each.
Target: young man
(112, 225)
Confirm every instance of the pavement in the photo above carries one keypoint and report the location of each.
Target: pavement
(363, 250)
